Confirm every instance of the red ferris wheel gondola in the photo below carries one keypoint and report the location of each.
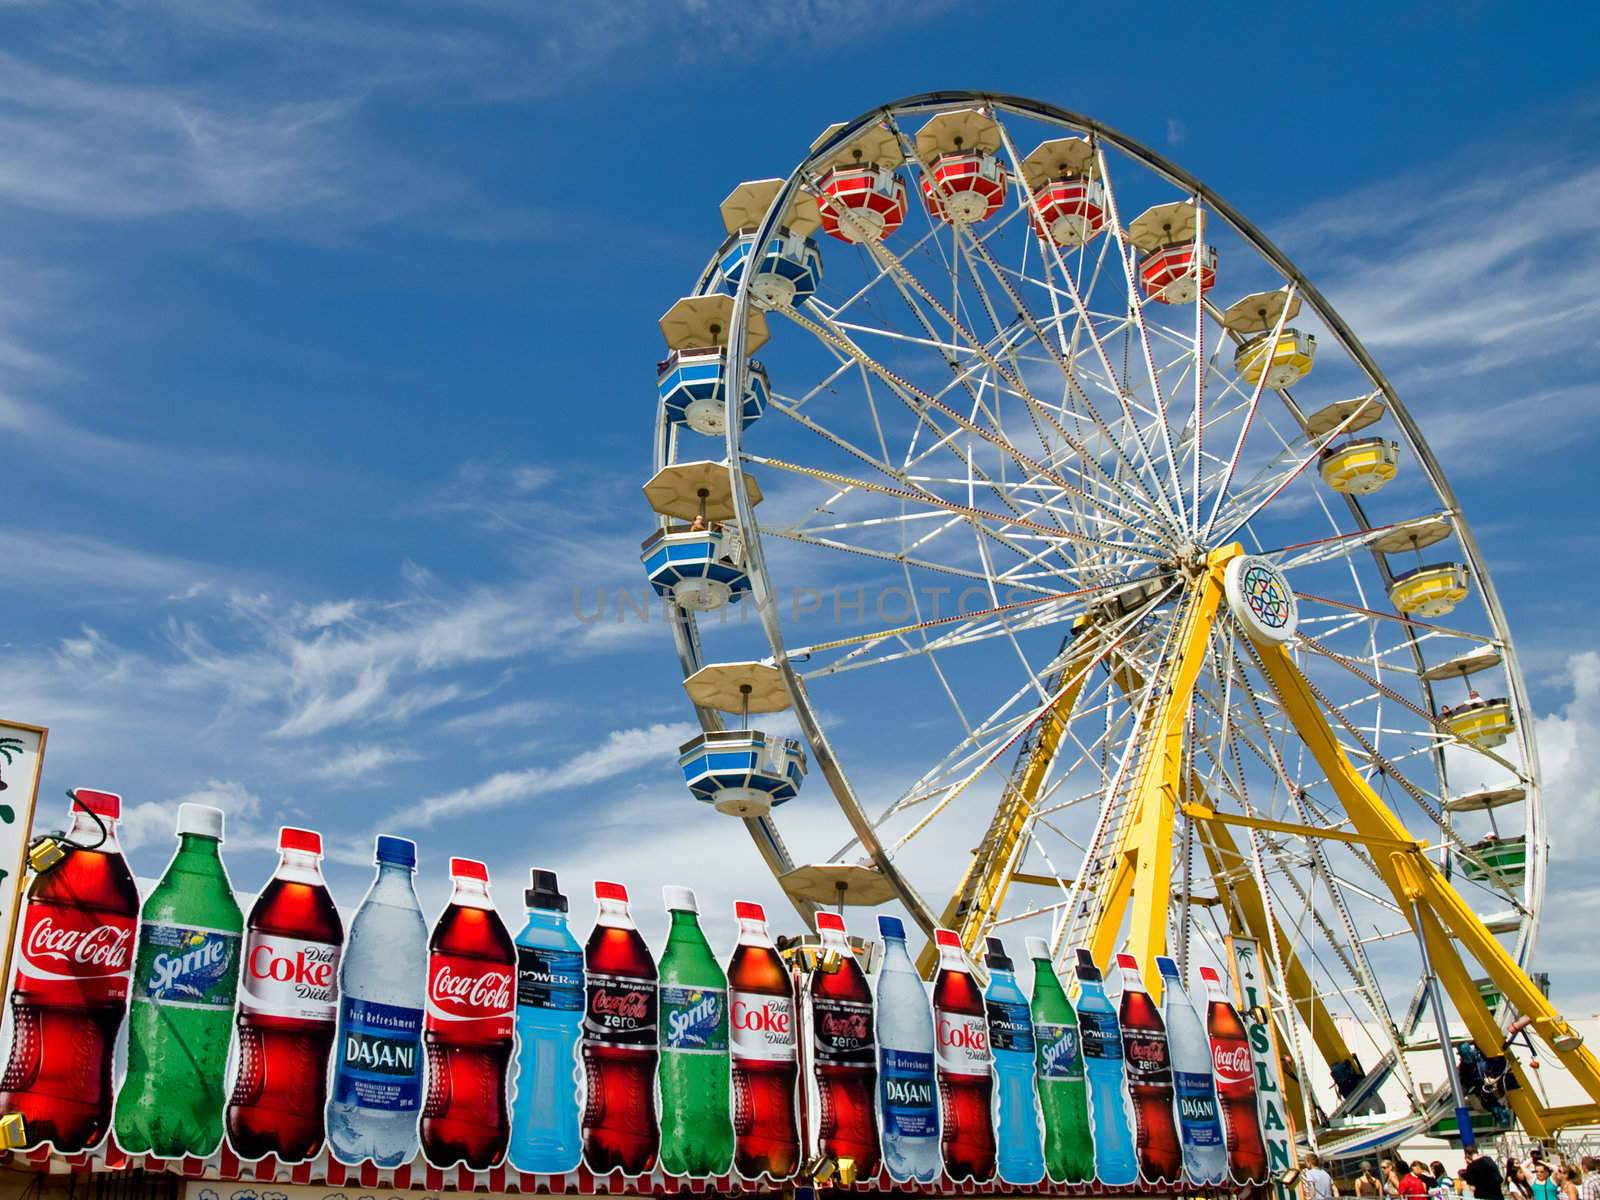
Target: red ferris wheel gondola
(1178, 265)
(963, 181)
(1068, 203)
(861, 197)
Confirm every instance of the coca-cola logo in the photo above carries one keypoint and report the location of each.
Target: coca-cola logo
(963, 1035)
(765, 1018)
(308, 967)
(1231, 1063)
(843, 1026)
(104, 946)
(1147, 1050)
(630, 1005)
(483, 991)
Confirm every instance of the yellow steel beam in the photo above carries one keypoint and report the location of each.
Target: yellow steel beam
(1411, 873)
(1203, 812)
(983, 888)
(1141, 877)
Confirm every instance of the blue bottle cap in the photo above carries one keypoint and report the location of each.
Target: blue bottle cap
(398, 850)
(1167, 967)
(891, 927)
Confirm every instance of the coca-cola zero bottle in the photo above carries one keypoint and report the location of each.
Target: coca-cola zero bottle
(74, 957)
(1233, 1068)
(845, 1052)
(966, 1084)
(288, 991)
(467, 1030)
(761, 1032)
(1150, 1088)
(620, 1131)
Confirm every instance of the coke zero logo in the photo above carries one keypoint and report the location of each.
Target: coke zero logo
(1230, 1062)
(635, 1005)
(848, 1025)
(310, 967)
(488, 990)
(963, 1035)
(768, 1018)
(102, 946)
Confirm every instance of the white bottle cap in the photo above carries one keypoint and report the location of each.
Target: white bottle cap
(1037, 948)
(679, 899)
(201, 819)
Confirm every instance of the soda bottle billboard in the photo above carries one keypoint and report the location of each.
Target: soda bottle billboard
(1017, 1134)
(545, 1136)
(844, 1053)
(186, 976)
(620, 1132)
(1149, 1067)
(1233, 1069)
(908, 1114)
(468, 1029)
(288, 988)
(695, 1069)
(378, 1060)
(963, 1058)
(1115, 1163)
(762, 1036)
(1063, 1094)
(74, 958)
(1205, 1157)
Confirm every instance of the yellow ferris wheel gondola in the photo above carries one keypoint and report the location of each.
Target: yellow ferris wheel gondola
(1360, 467)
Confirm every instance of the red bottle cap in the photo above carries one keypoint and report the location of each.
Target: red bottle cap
(944, 937)
(307, 840)
(747, 910)
(1209, 974)
(831, 921)
(610, 891)
(1127, 962)
(468, 868)
(101, 804)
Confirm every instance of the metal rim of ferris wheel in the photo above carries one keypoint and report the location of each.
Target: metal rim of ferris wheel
(997, 385)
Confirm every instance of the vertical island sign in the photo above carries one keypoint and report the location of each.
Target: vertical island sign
(21, 755)
(1251, 983)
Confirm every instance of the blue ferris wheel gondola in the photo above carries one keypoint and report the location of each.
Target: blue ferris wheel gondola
(692, 387)
(786, 272)
(742, 772)
(697, 569)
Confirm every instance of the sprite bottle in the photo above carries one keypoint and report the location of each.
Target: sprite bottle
(1063, 1096)
(696, 1122)
(185, 973)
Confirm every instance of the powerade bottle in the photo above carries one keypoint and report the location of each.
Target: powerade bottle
(1205, 1155)
(696, 1119)
(1063, 1096)
(545, 1139)
(184, 980)
(907, 1109)
(377, 1071)
(1020, 1149)
(1114, 1162)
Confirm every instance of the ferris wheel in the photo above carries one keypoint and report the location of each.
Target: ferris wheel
(994, 445)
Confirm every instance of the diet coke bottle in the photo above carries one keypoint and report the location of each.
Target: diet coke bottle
(966, 1086)
(74, 958)
(620, 1132)
(288, 1005)
(1234, 1071)
(467, 1029)
(1150, 1087)
(846, 1053)
(761, 1033)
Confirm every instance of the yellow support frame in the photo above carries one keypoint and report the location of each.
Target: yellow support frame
(1411, 876)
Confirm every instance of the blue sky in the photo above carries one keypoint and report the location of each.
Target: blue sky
(326, 349)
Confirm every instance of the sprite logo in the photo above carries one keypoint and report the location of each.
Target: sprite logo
(183, 965)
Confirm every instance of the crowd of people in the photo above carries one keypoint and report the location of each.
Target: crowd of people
(1482, 1178)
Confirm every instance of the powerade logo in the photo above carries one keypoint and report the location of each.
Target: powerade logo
(184, 965)
(694, 1018)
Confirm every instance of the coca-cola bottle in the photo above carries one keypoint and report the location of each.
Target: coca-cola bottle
(1234, 1070)
(845, 1052)
(620, 1132)
(761, 1034)
(467, 1029)
(288, 1006)
(1150, 1088)
(74, 958)
(966, 1084)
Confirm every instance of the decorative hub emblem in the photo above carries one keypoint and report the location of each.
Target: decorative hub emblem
(1261, 600)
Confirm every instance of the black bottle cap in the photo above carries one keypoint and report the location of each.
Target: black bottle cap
(994, 953)
(545, 892)
(1086, 968)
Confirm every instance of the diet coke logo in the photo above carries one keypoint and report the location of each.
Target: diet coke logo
(308, 967)
(963, 1035)
(103, 946)
(1231, 1063)
(482, 992)
(767, 1018)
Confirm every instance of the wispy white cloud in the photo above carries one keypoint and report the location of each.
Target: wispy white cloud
(353, 763)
